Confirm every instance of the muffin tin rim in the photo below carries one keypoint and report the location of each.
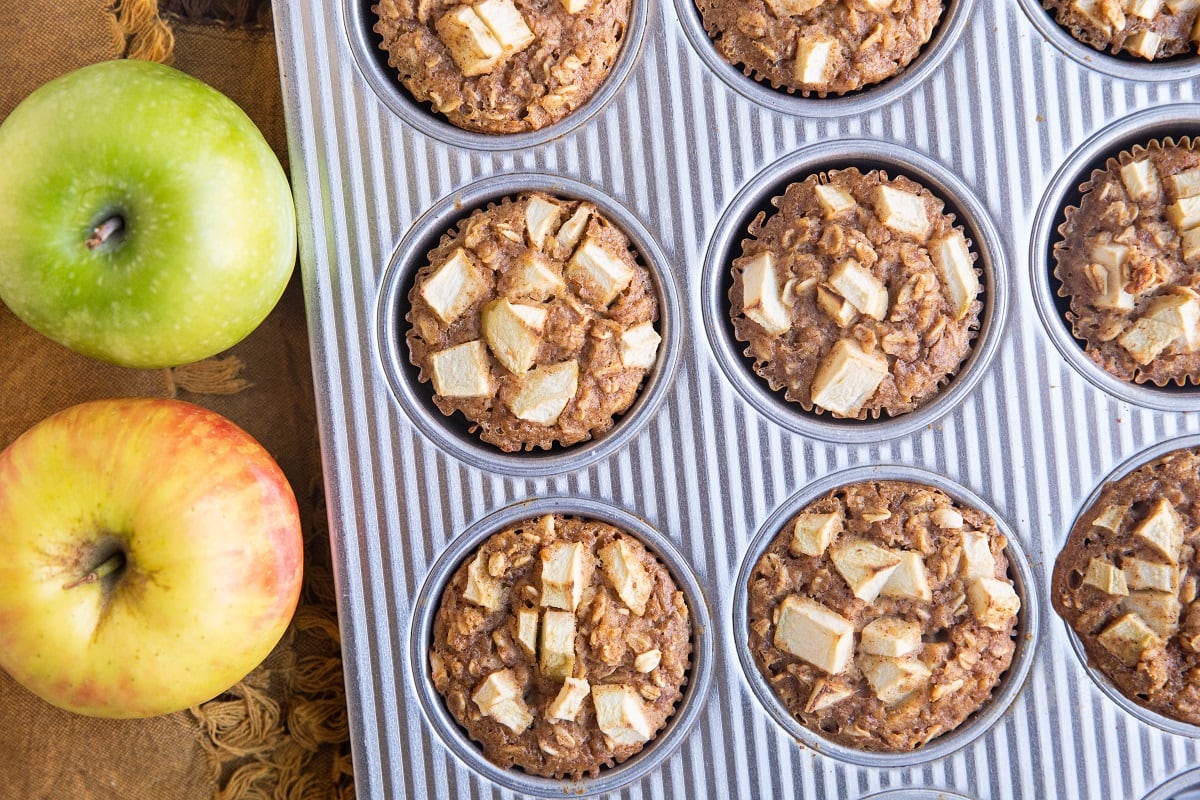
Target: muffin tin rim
(1101, 681)
(1027, 637)
(357, 23)
(955, 16)
(1189, 779)
(770, 182)
(1089, 58)
(1155, 122)
(391, 349)
(678, 726)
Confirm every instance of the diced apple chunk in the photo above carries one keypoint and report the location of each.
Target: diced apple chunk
(847, 378)
(1141, 574)
(454, 287)
(569, 699)
(627, 574)
(1185, 213)
(1144, 44)
(1186, 183)
(1110, 519)
(482, 589)
(786, 8)
(572, 230)
(506, 24)
(834, 199)
(1141, 180)
(1094, 12)
(978, 561)
(601, 274)
(837, 307)
(910, 579)
(813, 532)
(825, 693)
(903, 212)
(814, 59)
(563, 575)
(541, 215)
(1162, 531)
(865, 566)
(471, 44)
(1146, 9)
(537, 277)
(1128, 638)
(575, 6)
(1106, 577)
(500, 697)
(893, 679)
(762, 300)
(1191, 244)
(994, 603)
(621, 714)
(527, 629)
(890, 636)
(545, 391)
(639, 346)
(556, 659)
(953, 261)
(1159, 610)
(1108, 272)
(815, 634)
(462, 371)
(1147, 338)
(513, 333)
(860, 288)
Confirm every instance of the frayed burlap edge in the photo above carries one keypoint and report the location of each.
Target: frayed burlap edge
(147, 35)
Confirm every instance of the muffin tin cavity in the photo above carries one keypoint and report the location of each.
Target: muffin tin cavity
(726, 246)
(1136, 130)
(1011, 680)
(454, 433)
(372, 61)
(698, 677)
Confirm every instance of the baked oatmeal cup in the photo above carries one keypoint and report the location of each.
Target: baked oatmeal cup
(535, 320)
(882, 615)
(561, 645)
(502, 66)
(858, 297)
(1148, 29)
(1129, 263)
(1126, 583)
(820, 47)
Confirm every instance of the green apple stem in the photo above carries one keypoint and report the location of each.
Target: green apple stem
(105, 230)
(106, 567)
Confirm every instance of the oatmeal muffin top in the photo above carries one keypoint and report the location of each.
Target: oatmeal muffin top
(1126, 583)
(562, 646)
(1129, 260)
(1149, 29)
(820, 47)
(535, 320)
(858, 296)
(502, 66)
(882, 615)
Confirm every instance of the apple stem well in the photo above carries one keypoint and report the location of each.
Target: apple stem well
(105, 231)
(114, 563)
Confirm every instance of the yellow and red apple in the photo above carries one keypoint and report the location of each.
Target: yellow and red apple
(151, 556)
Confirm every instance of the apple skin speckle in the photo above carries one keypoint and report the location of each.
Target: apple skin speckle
(205, 203)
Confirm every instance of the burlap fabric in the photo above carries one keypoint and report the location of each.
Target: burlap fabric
(280, 734)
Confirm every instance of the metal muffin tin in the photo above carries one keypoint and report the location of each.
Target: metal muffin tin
(687, 711)
(1011, 682)
(1181, 787)
(1118, 65)
(452, 434)
(674, 145)
(1142, 127)
(726, 245)
(1102, 681)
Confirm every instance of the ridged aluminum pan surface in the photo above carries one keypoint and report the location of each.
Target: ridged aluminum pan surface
(1003, 111)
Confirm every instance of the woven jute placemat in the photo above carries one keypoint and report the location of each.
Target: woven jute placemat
(281, 734)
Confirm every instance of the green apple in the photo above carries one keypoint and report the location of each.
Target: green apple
(152, 557)
(144, 220)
